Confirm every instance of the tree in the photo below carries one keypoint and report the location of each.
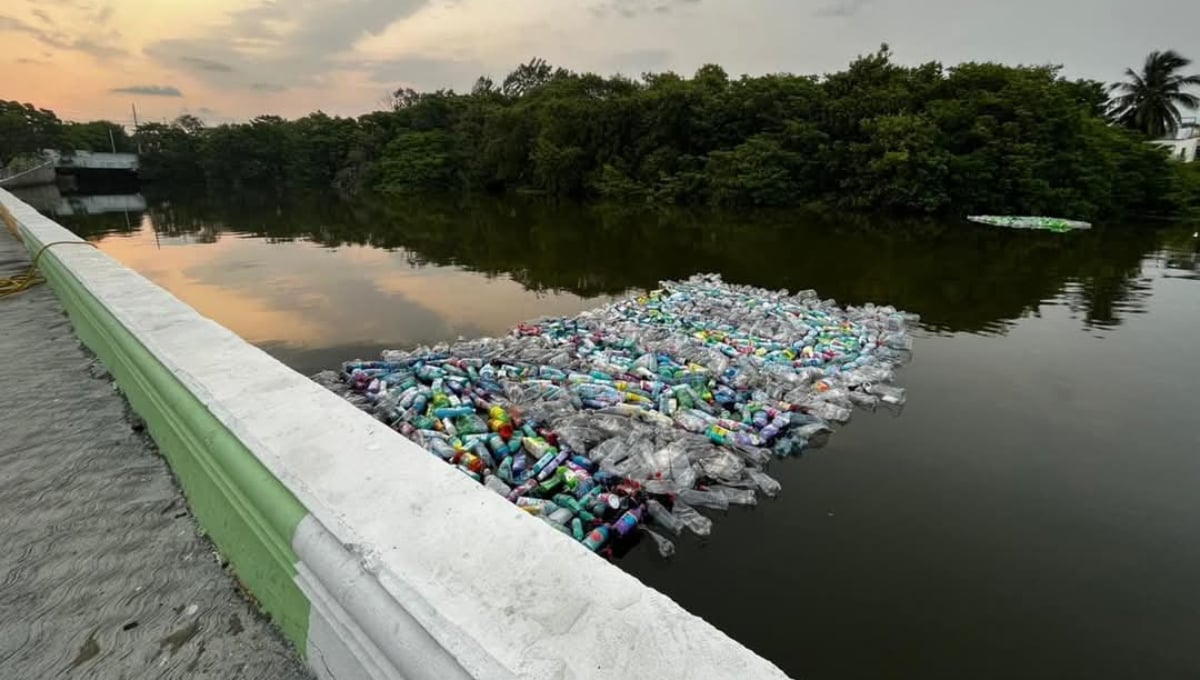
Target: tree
(1150, 101)
(877, 136)
(99, 135)
(189, 124)
(527, 78)
(404, 98)
(26, 129)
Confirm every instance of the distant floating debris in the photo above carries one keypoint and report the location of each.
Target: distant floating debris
(1044, 223)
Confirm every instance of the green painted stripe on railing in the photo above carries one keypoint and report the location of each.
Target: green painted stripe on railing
(248, 513)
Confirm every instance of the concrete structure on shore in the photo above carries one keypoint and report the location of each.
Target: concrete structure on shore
(69, 164)
(375, 558)
(1184, 144)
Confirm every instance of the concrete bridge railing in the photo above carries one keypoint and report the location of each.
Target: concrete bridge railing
(376, 559)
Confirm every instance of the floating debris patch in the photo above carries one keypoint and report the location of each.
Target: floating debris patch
(623, 420)
(1056, 224)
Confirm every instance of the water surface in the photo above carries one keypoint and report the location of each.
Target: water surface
(1031, 513)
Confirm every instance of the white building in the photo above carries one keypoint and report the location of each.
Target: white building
(1185, 145)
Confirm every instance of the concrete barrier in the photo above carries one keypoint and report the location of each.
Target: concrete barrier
(375, 558)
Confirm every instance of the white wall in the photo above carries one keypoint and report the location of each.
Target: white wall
(1186, 150)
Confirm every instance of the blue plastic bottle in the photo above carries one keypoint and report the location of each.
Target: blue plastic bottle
(597, 538)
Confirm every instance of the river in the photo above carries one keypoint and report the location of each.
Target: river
(1032, 512)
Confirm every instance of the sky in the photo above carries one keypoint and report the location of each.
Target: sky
(229, 60)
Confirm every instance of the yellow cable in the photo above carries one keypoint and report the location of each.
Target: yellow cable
(12, 285)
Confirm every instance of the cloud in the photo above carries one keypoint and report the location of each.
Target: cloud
(27, 60)
(43, 16)
(149, 90)
(97, 50)
(286, 43)
(424, 73)
(633, 8)
(206, 64)
(103, 15)
(841, 8)
(205, 111)
(59, 40)
(17, 26)
(637, 62)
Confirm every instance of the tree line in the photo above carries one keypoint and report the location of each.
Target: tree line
(878, 136)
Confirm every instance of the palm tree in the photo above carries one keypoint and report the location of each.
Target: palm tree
(1149, 101)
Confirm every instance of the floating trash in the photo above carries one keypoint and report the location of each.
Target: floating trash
(1045, 223)
(641, 411)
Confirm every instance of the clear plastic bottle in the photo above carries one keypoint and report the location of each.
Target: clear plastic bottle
(765, 482)
(705, 499)
(889, 394)
(665, 547)
(693, 520)
(495, 484)
(737, 496)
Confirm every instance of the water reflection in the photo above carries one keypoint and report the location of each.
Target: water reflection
(960, 277)
(1181, 254)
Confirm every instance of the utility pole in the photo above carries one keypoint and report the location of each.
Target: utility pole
(135, 127)
(111, 141)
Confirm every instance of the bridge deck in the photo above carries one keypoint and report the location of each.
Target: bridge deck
(103, 573)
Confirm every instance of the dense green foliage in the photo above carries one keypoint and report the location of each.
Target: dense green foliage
(27, 129)
(1150, 101)
(974, 138)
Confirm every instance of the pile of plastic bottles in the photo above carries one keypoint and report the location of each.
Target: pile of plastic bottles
(624, 419)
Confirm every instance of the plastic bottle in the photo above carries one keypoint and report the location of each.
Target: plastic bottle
(597, 538)
(551, 468)
(536, 506)
(520, 490)
(520, 462)
(480, 449)
(605, 502)
(545, 462)
(704, 499)
(495, 484)
(889, 394)
(441, 449)
(737, 496)
(469, 461)
(497, 445)
(765, 482)
(561, 516)
(693, 520)
(665, 547)
(537, 447)
(628, 522)
(554, 481)
(663, 517)
(453, 412)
